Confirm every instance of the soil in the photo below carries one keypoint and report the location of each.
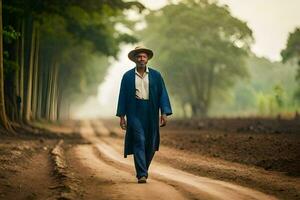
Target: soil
(198, 159)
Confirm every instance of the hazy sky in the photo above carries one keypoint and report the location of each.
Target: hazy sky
(270, 20)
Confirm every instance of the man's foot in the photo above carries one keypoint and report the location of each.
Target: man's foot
(143, 179)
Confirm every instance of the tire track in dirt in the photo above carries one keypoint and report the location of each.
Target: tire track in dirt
(118, 184)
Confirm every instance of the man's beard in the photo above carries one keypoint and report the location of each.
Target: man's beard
(142, 64)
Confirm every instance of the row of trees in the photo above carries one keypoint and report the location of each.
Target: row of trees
(48, 51)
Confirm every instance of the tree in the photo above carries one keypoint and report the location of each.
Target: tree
(292, 52)
(201, 50)
(3, 117)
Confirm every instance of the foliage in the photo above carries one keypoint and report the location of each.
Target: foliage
(71, 33)
(292, 49)
(10, 34)
(200, 50)
(269, 90)
(292, 52)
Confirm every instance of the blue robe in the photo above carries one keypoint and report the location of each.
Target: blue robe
(158, 99)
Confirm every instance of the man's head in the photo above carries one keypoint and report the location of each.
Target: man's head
(141, 59)
(140, 56)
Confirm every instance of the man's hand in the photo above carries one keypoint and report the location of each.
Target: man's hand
(123, 123)
(163, 120)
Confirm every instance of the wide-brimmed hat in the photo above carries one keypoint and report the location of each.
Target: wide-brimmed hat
(132, 54)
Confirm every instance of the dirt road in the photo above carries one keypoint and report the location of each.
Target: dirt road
(84, 160)
(164, 182)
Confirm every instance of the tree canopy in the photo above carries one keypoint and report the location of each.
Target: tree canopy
(200, 48)
(292, 52)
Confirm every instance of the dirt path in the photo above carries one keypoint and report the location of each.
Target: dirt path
(104, 181)
(163, 179)
(84, 160)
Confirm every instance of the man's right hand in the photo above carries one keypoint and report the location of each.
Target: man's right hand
(123, 123)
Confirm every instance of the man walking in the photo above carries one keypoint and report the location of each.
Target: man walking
(142, 95)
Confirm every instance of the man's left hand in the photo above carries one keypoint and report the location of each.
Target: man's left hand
(163, 120)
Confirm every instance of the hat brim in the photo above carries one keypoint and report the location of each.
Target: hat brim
(133, 53)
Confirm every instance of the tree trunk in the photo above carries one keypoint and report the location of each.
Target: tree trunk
(50, 90)
(198, 110)
(59, 96)
(210, 83)
(45, 91)
(40, 89)
(21, 71)
(28, 111)
(17, 72)
(35, 78)
(56, 93)
(53, 96)
(3, 117)
(59, 101)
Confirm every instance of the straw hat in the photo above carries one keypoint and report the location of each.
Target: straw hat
(133, 53)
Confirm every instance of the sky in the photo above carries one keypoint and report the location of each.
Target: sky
(270, 20)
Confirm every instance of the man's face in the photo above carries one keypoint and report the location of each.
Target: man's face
(141, 59)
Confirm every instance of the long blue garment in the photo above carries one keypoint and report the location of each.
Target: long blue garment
(158, 100)
(142, 153)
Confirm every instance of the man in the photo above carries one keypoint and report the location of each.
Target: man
(142, 95)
